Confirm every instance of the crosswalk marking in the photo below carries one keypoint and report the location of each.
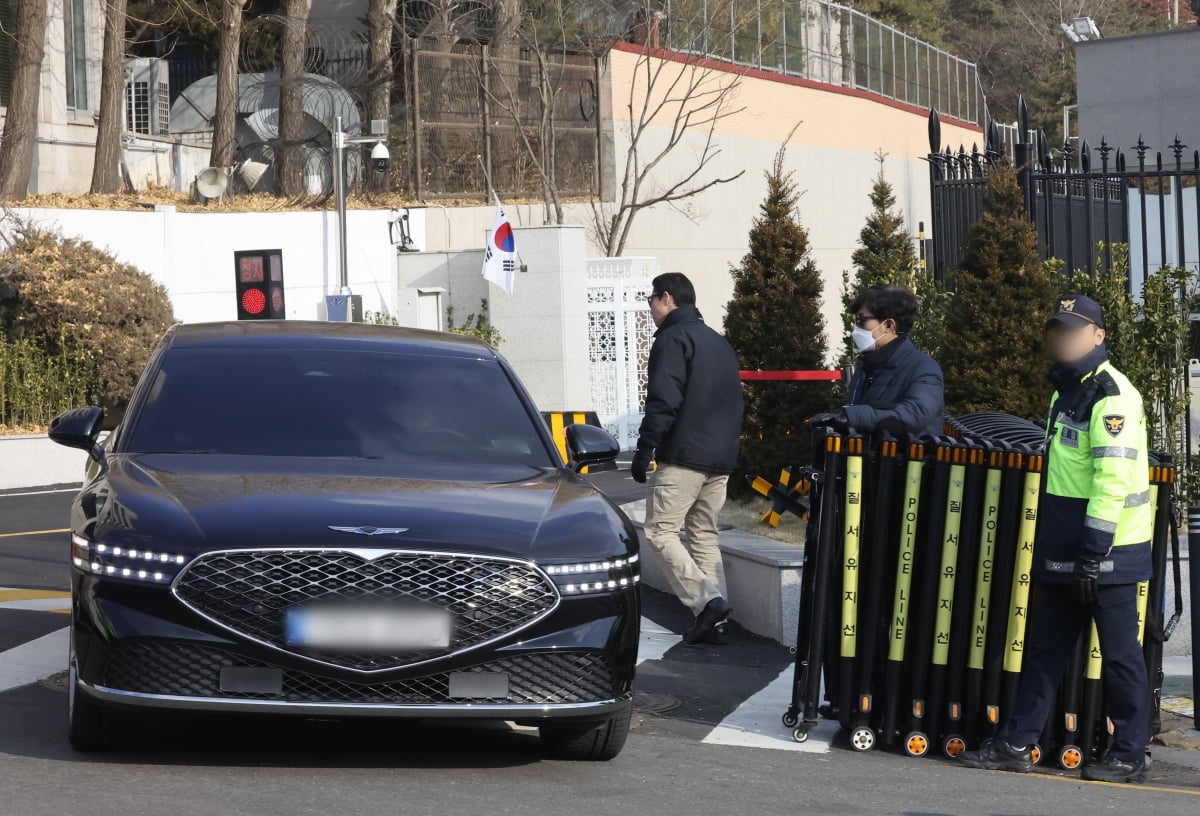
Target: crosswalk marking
(655, 641)
(38, 600)
(34, 660)
(756, 722)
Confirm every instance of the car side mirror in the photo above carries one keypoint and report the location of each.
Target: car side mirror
(589, 445)
(78, 428)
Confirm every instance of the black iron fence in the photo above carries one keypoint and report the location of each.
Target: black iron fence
(1079, 197)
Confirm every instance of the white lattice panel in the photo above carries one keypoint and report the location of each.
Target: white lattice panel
(620, 332)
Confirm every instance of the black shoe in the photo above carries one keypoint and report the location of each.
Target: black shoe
(828, 712)
(997, 755)
(714, 612)
(718, 636)
(1111, 769)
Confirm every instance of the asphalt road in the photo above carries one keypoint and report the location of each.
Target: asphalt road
(683, 755)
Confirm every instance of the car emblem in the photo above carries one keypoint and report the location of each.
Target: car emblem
(370, 531)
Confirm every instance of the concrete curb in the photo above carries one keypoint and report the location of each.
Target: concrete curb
(1175, 756)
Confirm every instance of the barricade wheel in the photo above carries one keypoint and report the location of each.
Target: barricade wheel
(953, 745)
(1036, 754)
(800, 734)
(862, 739)
(790, 720)
(1070, 758)
(916, 744)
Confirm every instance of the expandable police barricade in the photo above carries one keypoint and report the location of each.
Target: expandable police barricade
(916, 587)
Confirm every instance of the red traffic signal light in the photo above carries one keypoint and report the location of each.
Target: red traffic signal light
(258, 278)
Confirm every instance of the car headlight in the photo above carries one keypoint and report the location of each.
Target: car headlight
(128, 563)
(602, 575)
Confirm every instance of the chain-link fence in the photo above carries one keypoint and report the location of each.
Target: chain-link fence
(523, 121)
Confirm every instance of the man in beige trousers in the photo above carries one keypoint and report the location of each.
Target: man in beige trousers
(691, 428)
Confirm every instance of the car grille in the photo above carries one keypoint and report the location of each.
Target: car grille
(251, 591)
(188, 670)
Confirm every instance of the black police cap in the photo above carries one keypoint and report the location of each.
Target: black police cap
(1076, 311)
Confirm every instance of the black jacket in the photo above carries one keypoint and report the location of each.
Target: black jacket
(899, 383)
(693, 396)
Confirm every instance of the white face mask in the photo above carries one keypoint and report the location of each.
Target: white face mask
(863, 339)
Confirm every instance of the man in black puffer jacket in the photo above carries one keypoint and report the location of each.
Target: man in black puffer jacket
(692, 425)
(897, 387)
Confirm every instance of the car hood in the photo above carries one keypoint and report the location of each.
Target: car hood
(191, 503)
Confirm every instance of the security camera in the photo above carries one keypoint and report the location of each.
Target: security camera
(380, 157)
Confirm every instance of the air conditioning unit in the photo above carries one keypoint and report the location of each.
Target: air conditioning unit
(147, 97)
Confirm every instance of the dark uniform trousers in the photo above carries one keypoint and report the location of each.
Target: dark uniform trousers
(1057, 623)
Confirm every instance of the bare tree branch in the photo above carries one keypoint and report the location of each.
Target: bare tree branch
(687, 96)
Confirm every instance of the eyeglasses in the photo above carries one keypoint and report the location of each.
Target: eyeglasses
(651, 298)
(862, 320)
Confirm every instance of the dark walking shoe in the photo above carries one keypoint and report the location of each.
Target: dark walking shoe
(997, 755)
(718, 636)
(1111, 769)
(715, 612)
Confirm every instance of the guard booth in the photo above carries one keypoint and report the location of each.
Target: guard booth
(916, 592)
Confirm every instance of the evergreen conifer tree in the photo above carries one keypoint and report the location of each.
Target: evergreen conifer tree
(774, 322)
(885, 254)
(995, 357)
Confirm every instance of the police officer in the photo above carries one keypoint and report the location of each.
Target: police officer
(1093, 547)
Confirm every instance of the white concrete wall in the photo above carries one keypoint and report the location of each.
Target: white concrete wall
(191, 253)
(35, 461)
(458, 273)
(543, 323)
(164, 163)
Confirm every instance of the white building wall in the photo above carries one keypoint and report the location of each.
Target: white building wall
(66, 137)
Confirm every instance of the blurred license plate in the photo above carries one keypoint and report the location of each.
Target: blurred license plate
(369, 628)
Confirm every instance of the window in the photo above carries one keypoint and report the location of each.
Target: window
(137, 107)
(75, 48)
(405, 410)
(8, 22)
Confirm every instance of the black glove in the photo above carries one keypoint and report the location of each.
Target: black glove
(641, 464)
(1083, 579)
(838, 423)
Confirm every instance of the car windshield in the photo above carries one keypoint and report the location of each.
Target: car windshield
(304, 402)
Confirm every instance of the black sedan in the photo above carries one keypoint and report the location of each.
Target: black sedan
(325, 519)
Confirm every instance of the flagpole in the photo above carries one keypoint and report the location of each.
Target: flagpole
(486, 176)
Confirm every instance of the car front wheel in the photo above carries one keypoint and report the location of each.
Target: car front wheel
(591, 742)
(87, 723)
